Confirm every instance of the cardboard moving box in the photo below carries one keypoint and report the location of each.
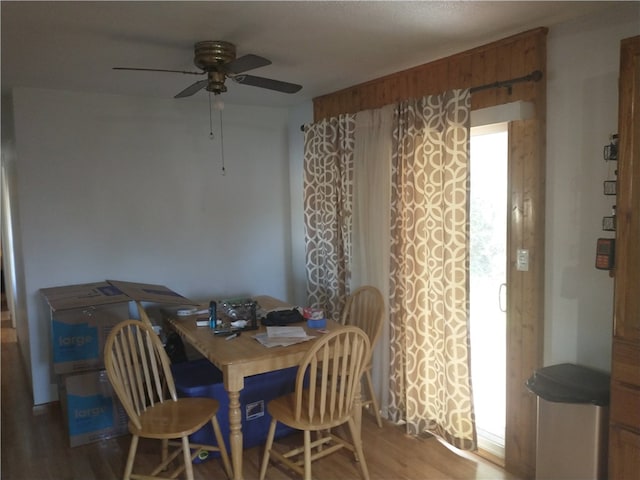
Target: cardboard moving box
(145, 292)
(91, 409)
(83, 315)
(78, 336)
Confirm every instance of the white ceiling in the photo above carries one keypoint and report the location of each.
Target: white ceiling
(324, 46)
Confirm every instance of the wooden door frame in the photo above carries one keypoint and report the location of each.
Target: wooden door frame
(624, 434)
(525, 293)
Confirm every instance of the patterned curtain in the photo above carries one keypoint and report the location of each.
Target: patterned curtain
(328, 198)
(430, 368)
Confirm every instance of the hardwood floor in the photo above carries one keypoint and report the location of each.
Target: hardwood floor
(35, 446)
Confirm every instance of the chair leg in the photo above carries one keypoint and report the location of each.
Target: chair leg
(223, 448)
(188, 467)
(267, 448)
(165, 449)
(357, 444)
(307, 455)
(130, 458)
(374, 402)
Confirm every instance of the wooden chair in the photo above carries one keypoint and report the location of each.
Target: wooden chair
(365, 309)
(139, 371)
(144, 317)
(327, 387)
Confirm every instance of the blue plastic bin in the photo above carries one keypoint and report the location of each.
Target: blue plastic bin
(200, 378)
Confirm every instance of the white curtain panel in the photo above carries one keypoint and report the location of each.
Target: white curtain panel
(371, 223)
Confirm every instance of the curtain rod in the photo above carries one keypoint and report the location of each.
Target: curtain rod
(534, 76)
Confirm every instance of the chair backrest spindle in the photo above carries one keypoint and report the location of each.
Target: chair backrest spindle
(138, 368)
(365, 308)
(333, 368)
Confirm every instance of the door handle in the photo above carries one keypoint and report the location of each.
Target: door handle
(503, 287)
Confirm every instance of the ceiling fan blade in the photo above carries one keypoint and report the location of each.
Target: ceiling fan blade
(269, 83)
(246, 62)
(193, 88)
(158, 70)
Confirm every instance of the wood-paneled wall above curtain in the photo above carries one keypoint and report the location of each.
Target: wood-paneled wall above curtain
(509, 58)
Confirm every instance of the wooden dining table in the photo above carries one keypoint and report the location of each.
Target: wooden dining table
(241, 357)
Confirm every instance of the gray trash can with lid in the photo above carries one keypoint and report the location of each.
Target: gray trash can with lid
(573, 413)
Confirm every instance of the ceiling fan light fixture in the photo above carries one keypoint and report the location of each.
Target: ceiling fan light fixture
(216, 82)
(218, 104)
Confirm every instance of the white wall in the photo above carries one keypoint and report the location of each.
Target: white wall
(303, 114)
(113, 187)
(582, 96)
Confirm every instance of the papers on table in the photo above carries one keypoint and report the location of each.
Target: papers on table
(286, 332)
(283, 336)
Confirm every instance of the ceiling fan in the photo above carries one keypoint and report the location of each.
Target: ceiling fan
(217, 60)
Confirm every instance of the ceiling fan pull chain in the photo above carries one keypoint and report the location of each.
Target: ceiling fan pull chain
(211, 136)
(224, 172)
